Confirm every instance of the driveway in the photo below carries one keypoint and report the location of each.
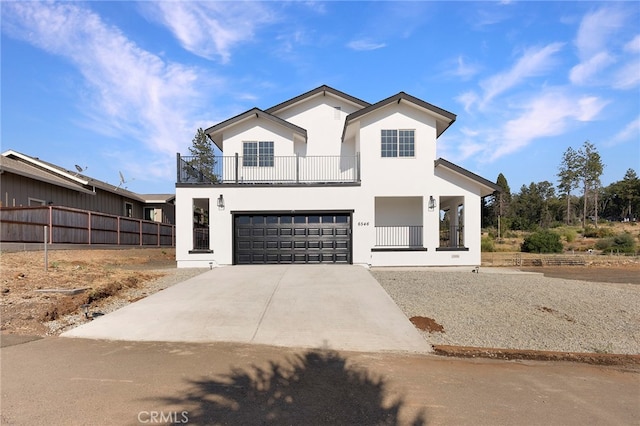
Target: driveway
(339, 307)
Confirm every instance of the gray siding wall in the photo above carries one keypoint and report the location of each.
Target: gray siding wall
(16, 191)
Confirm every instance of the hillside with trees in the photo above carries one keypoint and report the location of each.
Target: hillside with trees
(576, 210)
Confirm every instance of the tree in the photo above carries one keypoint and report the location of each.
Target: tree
(201, 165)
(496, 209)
(590, 170)
(530, 208)
(630, 191)
(569, 178)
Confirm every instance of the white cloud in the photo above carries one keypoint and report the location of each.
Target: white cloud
(631, 132)
(210, 28)
(468, 99)
(633, 46)
(628, 76)
(534, 62)
(596, 29)
(546, 115)
(131, 93)
(463, 69)
(598, 44)
(586, 70)
(365, 44)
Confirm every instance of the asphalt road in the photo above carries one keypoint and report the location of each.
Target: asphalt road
(89, 382)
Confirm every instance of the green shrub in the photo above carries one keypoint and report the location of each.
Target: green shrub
(486, 245)
(621, 243)
(602, 232)
(624, 243)
(542, 242)
(604, 244)
(570, 235)
(589, 232)
(606, 232)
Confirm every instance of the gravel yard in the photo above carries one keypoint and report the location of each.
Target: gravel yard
(499, 309)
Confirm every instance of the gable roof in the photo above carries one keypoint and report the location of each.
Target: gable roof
(255, 113)
(444, 118)
(322, 90)
(22, 168)
(490, 186)
(37, 169)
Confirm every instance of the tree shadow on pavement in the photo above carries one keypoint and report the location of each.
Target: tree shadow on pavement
(312, 388)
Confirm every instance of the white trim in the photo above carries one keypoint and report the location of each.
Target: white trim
(36, 200)
(44, 166)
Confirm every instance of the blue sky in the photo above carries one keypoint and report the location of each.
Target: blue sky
(122, 86)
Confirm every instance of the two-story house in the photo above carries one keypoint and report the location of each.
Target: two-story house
(329, 178)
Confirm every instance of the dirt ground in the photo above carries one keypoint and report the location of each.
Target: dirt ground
(624, 274)
(31, 295)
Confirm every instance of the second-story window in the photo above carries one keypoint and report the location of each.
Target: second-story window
(258, 154)
(398, 143)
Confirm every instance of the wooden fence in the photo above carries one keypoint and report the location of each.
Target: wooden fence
(73, 226)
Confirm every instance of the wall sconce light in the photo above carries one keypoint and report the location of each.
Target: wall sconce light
(221, 201)
(432, 203)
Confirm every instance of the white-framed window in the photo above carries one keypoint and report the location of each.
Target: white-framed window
(36, 202)
(257, 154)
(397, 143)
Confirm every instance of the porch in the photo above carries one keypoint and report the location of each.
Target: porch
(288, 170)
(400, 223)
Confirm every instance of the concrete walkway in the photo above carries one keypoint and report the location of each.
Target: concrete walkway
(339, 307)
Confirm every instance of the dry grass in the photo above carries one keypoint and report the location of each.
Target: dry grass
(104, 273)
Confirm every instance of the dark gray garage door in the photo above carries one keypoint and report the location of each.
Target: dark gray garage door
(292, 238)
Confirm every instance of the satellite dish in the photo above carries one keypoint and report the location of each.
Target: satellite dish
(80, 169)
(122, 180)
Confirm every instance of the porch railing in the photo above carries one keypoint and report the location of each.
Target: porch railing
(255, 169)
(399, 236)
(452, 237)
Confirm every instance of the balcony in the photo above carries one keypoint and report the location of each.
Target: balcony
(288, 170)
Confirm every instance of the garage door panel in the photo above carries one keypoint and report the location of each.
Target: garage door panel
(299, 238)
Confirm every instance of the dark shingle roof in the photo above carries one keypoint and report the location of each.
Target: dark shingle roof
(318, 90)
(441, 162)
(446, 118)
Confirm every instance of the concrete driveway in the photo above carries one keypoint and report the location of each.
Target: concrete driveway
(339, 307)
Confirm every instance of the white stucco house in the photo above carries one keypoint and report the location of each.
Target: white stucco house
(329, 178)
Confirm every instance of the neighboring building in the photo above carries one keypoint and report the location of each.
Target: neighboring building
(28, 181)
(326, 177)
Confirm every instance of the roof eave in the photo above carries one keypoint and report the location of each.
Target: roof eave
(324, 89)
(466, 173)
(249, 115)
(445, 116)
